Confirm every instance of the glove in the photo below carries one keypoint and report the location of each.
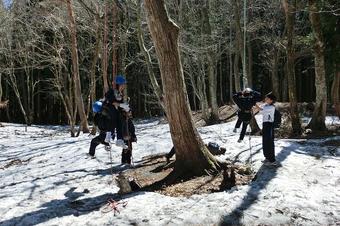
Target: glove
(125, 107)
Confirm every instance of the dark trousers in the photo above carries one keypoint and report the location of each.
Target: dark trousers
(171, 153)
(119, 122)
(268, 141)
(244, 127)
(127, 153)
(100, 139)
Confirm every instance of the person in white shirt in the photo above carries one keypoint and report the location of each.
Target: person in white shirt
(268, 111)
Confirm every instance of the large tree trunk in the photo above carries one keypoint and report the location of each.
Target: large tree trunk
(335, 93)
(319, 114)
(192, 156)
(75, 65)
(289, 9)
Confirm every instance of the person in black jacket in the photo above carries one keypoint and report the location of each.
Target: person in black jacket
(111, 119)
(129, 133)
(245, 101)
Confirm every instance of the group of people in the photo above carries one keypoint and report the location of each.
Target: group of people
(247, 102)
(113, 118)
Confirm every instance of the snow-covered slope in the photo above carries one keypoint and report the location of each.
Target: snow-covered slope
(46, 179)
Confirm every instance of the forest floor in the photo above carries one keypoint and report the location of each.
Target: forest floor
(46, 179)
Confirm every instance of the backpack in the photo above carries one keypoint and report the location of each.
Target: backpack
(103, 120)
(277, 119)
(98, 120)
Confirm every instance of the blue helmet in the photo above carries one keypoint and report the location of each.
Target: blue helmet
(120, 80)
(97, 106)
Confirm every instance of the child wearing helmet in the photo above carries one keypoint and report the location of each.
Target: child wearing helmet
(115, 98)
(112, 104)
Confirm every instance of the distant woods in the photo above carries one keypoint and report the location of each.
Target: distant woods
(57, 57)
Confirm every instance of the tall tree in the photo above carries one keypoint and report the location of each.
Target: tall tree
(335, 93)
(148, 60)
(212, 76)
(247, 81)
(289, 9)
(105, 59)
(75, 67)
(192, 156)
(319, 114)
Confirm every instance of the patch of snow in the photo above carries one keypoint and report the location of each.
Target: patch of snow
(47, 174)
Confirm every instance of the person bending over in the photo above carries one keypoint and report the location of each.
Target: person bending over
(245, 100)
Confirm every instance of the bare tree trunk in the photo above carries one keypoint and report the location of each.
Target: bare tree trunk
(203, 97)
(319, 114)
(231, 90)
(191, 154)
(239, 41)
(250, 65)
(237, 72)
(275, 75)
(289, 9)
(231, 83)
(114, 40)
(212, 90)
(1, 90)
(105, 48)
(154, 83)
(336, 93)
(14, 85)
(212, 77)
(92, 94)
(75, 64)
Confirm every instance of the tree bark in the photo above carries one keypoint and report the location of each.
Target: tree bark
(237, 72)
(75, 65)
(289, 9)
(335, 93)
(212, 76)
(319, 115)
(275, 75)
(105, 48)
(192, 157)
(114, 40)
(239, 41)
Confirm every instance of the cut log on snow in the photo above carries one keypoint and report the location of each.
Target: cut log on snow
(126, 185)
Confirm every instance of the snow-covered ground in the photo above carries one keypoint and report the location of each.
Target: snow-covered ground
(47, 180)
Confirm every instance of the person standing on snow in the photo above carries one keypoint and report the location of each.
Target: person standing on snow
(112, 120)
(245, 101)
(129, 133)
(268, 112)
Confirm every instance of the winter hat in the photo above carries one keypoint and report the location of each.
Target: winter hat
(120, 80)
